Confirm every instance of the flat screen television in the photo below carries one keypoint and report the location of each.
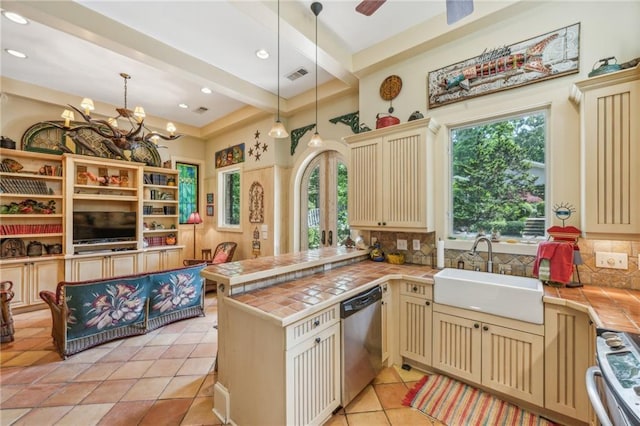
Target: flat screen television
(94, 227)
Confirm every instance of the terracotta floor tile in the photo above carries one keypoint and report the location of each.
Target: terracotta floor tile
(6, 355)
(131, 370)
(390, 395)
(26, 358)
(9, 416)
(42, 416)
(100, 371)
(146, 389)
(30, 396)
(200, 413)
(166, 412)
(178, 351)
(150, 352)
(85, 415)
(126, 413)
(138, 340)
(337, 420)
(90, 355)
(388, 375)
(182, 387)
(8, 391)
(64, 373)
(210, 337)
(186, 338)
(371, 418)
(164, 367)
(204, 350)
(121, 354)
(367, 400)
(412, 375)
(70, 394)
(206, 389)
(408, 416)
(109, 391)
(194, 366)
(163, 339)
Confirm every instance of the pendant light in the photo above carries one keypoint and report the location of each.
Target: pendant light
(278, 130)
(316, 140)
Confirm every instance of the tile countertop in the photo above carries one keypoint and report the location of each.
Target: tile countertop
(617, 309)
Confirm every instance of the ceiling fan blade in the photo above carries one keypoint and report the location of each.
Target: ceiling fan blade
(458, 9)
(368, 7)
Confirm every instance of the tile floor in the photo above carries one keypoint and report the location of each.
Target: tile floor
(163, 378)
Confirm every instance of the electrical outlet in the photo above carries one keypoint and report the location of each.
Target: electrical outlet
(417, 246)
(612, 260)
(401, 244)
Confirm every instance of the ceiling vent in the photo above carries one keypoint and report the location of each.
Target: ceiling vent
(201, 110)
(300, 72)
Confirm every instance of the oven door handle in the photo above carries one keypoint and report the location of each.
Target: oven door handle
(594, 396)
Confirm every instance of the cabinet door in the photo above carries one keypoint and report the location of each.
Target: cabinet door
(313, 378)
(611, 190)
(569, 351)
(152, 261)
(122, 264)
(88, 268)
(404, 179)
(172, 259)
(415, 328)
(365, 184)
(456, 346)
(44, 276)
(513, 363)
(18, 274)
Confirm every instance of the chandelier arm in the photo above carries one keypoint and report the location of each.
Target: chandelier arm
(148, 136)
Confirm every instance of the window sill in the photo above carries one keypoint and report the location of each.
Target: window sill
(500, 247)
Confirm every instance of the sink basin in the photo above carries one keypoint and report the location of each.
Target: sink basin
(505, 295)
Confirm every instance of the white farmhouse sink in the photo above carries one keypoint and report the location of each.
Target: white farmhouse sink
(505, 295)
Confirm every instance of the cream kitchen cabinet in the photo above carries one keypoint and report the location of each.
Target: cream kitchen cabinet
(161, 259)
(504, 355)
(569, 351)
(391, 177)
(101, 266)
(29, 277)
(609, 134)
(416, 311)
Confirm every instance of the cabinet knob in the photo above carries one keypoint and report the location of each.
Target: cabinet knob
(428, 303)
(476, 325)
(379, 223)
(485, 328)
(316, 323)
(415, 288)
(318, 340)
(384, 223)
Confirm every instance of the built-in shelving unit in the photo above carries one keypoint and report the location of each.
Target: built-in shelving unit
(160, 206)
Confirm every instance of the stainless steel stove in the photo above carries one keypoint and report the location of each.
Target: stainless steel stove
(618, 356)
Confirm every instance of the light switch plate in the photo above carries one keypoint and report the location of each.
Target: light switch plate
(401, 244)
(416, 245)
(612, 260)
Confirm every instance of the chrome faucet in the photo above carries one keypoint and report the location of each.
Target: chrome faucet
(489, 248)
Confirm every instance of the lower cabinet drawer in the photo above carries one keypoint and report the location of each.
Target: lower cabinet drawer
(298, 331)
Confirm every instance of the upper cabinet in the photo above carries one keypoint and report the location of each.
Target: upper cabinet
(391, 177)
(609, 111)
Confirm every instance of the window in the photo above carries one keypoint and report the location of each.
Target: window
(229, 198)
(189, 190)
(498, 177)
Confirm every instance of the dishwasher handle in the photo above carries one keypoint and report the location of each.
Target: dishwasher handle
(360, 302)
(594, 396)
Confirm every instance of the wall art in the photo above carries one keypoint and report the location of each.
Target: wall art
(547, 56)
(209, 197)
(210, 210)
(230, 156)
(258, 148)
(256, 203)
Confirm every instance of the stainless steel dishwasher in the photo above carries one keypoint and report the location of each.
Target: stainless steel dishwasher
(361, 342)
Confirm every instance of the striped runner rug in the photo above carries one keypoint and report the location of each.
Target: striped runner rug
(455, 404)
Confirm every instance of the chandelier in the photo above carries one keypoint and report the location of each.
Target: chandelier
(115, 139)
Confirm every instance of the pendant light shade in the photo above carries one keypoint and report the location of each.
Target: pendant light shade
(316, 140)
(278, 130)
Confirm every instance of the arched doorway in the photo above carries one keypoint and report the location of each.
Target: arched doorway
(323, 201)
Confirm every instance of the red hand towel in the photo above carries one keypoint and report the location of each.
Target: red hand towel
(560, 255)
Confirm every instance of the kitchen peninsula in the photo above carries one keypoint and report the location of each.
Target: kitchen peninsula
(280, 339)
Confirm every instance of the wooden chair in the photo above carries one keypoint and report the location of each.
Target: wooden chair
(222, 254)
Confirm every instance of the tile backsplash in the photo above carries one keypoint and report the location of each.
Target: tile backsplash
(513, 264)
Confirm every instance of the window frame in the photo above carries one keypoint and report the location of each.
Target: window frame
(221, 198)
(510, 115)
(199, 167)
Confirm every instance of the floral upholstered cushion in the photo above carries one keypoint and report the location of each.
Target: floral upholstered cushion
(175, 289)
(104, 305)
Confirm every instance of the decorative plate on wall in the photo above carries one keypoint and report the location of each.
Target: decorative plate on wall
(390, 87)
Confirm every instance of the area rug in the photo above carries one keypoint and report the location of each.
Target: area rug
(455, 404)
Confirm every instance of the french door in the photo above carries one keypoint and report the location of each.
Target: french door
(323, 209)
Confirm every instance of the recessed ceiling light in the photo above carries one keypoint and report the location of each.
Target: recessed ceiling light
(183, 106)
(262, 54)
(14, 17)
(206, 90)
(15, 53)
